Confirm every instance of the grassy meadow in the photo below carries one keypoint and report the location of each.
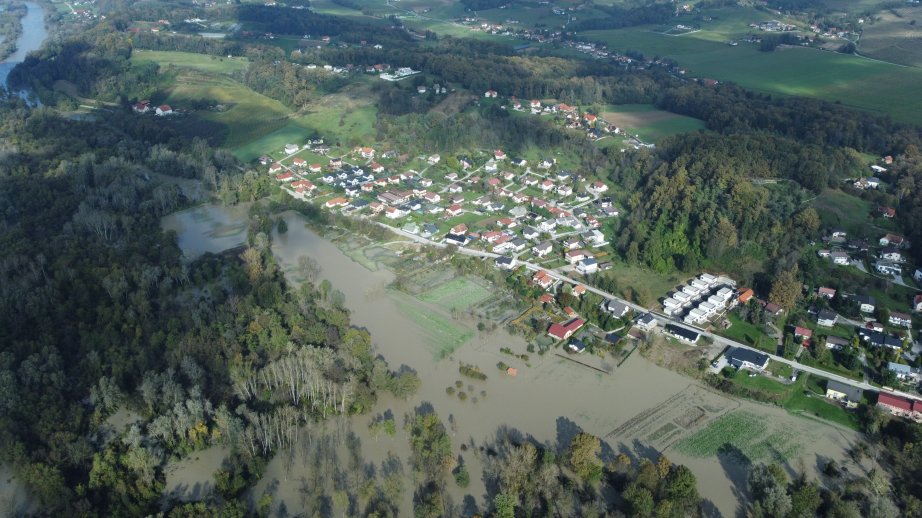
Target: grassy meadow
(852, 80)
(648, 122)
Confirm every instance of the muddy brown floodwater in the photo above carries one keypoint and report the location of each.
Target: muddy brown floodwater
(632, 409)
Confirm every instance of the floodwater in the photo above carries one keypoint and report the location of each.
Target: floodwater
(208, 228)
(33, 35)
(548, 401)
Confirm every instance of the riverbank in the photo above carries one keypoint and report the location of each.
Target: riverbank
(33, 35)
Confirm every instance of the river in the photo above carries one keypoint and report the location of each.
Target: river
(547, 401)
(34, 33)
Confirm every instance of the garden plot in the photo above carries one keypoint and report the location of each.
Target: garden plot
(754, 436)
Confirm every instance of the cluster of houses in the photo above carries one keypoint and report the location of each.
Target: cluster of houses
(595, 126)
(701, 299)
(142, 107)
(529, 211)
(890, 258)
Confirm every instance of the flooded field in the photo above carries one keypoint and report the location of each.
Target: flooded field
(640, 408)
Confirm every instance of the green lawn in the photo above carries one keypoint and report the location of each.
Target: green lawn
(747, 333)
(851, 80)
(838, 209)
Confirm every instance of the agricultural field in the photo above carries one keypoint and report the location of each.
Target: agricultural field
(442, 335)
(648, 122)
(754, 436)
(893, 35)
(461, 293)
(852, 80)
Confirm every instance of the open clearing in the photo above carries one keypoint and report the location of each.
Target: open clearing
(648, 122)
(214, 64)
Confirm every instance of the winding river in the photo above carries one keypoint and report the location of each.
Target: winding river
(34, 33)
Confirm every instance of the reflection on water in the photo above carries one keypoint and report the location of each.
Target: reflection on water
(33, 35)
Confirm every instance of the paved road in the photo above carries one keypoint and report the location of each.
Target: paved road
(661, 318)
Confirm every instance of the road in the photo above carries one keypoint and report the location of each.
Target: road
(661, 318)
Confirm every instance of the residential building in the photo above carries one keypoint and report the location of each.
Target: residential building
(826, 318)
(866, 303)
(887, 267)
(542, 249)
(879, 339)
(505, 263)
(839, 258)
(587, 266)
(843, 393)
(826, 293)
(900, 319)
(646, 321)
(902, 372)
(617, 308)
(565, 330)
(683, 333)
(897, 405)
(746, 359)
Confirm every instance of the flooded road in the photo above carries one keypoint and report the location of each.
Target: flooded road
(548, 401)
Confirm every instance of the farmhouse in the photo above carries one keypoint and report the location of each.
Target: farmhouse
(897, 405)
(566, 330)
(747, 359)
(843, 393)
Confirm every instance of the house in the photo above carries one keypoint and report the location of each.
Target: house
(276, 167)
(900, 319)
(454, 210)
(838, 233)
(428, 230)
(887, 212)
(875, 326)
(572, 243)
(499, 154)
(336, 163)
(803, 332)
(836, 342)
(141, 107)
(542, 249)
(287, 176)
(646, 322)
(826, 318)
(843, 393)
(839, 258)
(291, 149)
(298, 162)
(455, 239)
(394, 213)
(772, 309)
(505, 263)
(546, 298)
(682, 333)
(367, 152)
(164, 110)
(902, 372)
(575, 256)
(745, 295)
(617, 308)
(547, 225)
(542, 279)
(879, 339)
(535, 104)
(827, 293)
(490, 94)
(917, 303)
(576, 345)
(746, 359)
(587, 266)
(891, 254)
(530, 233)
(411, 228)
(892, 240)
(597, 187)
(432, 197)
(866, 303)
(315, 168)
(578, 291)
(823, 253)
(564, 190)
(888, 268)
(460, 228)
(421, 89)
(566, 330)
(336, 202)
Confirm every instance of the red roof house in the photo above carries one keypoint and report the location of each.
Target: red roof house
(564, 331)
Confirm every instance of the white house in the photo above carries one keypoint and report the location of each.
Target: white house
(587, 266)
(164, 110)
(839, 258)
(900, 319)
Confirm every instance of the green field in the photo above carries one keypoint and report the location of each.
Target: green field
(744, 332)
(442, 335)
(457, 294)
(851, 80)
(752, 435)
(213, 64)
(648, 122)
